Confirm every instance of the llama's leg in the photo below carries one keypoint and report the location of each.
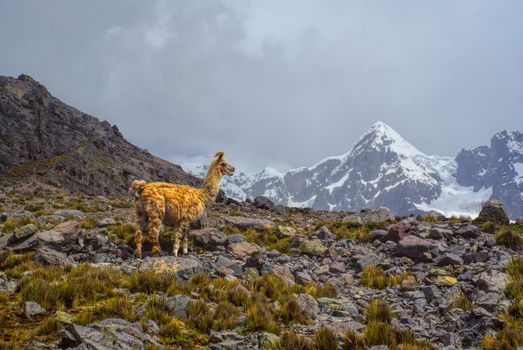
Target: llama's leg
(138, 235)
(153, 230)
(184, 229)
(138, 238)
(185, 242)
(176, 245)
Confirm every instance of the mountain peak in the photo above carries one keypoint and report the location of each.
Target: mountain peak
(381, 135)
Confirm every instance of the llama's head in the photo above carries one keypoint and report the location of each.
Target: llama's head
(221, 165)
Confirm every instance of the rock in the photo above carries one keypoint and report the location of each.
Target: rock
(416, 248)
(178, 305)
(284, 273)
(47, 256)
(242, 250)
(313, 247)
(63, 317)
(286, 231)
(32, 309)
(397, 232)
(324, 234)
(111, 333)
(61, 238)
(70, 214)
(244, 223)
(449, 259)
(7, 286)
(308, 304)
(3, 218)
(369, 216)
(261, 202)
(23, 233)
(268, 340)
(488, 301)
(23, 214)
(445, 281)
(377, 234)
(431, 292)
(468, 231)
(236, 238)
(152, 327)
(181, 267)
(493, 211)
(208, 238)
(439, 233)
(105, 222)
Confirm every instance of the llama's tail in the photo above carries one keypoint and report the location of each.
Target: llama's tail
(136, 188)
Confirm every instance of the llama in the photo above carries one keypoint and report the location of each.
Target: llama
(174, 205)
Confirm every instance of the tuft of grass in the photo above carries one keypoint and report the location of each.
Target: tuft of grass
(125, 231)
(8, 226)
(261, 317)
(120, 306)
(293, 341)
(224, 316)
(488, 227)
(14, 265)
(88, 223)
(200, 315)
(380, 333)
(325, 339)
(373, 276)
(326, 290)
(515, 267)
(509, 239)
(56, 287)
(149, 282)
(49, 326)
(461, 301)
(292, 312)
(379, 310)
(353, 340)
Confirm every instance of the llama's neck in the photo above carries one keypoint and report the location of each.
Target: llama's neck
(211, 185)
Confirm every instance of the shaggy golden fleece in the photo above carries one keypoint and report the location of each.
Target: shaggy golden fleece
(174, 205)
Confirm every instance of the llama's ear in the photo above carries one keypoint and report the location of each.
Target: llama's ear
(218, 156)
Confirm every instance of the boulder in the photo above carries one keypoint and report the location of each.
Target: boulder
(324, 234)
(70, 214)
(208, 238)
(236, 238)
(308, 304)
(397, 232)
(181, 267)
(493, 211)
(449, 259)
(369, 216)
(244, 223)
(32, 309)
(261, 202)
(111, 333)
(60, 238)
(242, 250)
(416, 248)
(7, 286)
(23, 233)
(47, 256)
(178, 305)
(313, 247)
(468, 231)
(283, 272)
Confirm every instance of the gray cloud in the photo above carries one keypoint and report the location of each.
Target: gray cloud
(276, 83)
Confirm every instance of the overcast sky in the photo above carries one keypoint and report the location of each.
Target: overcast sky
(279, 83)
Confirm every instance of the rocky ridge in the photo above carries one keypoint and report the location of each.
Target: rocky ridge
(43, 138)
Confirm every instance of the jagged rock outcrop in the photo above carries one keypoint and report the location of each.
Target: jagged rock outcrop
(42, 137)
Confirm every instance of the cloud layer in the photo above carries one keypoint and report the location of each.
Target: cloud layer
(276, 83)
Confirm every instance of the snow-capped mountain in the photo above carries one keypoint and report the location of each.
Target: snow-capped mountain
(498, 166)
(383, 169)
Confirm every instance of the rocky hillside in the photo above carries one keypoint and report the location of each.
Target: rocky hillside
(383, 169)
(256, 278)
(498, 166)
(42, 137)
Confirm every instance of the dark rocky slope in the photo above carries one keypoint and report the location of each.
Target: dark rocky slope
(42, 137)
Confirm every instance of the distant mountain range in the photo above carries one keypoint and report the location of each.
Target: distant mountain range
(383, 169)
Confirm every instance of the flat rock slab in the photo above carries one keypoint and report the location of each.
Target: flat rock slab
(182, 267)
(244, 223)
(111, 333)
(208, 238)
